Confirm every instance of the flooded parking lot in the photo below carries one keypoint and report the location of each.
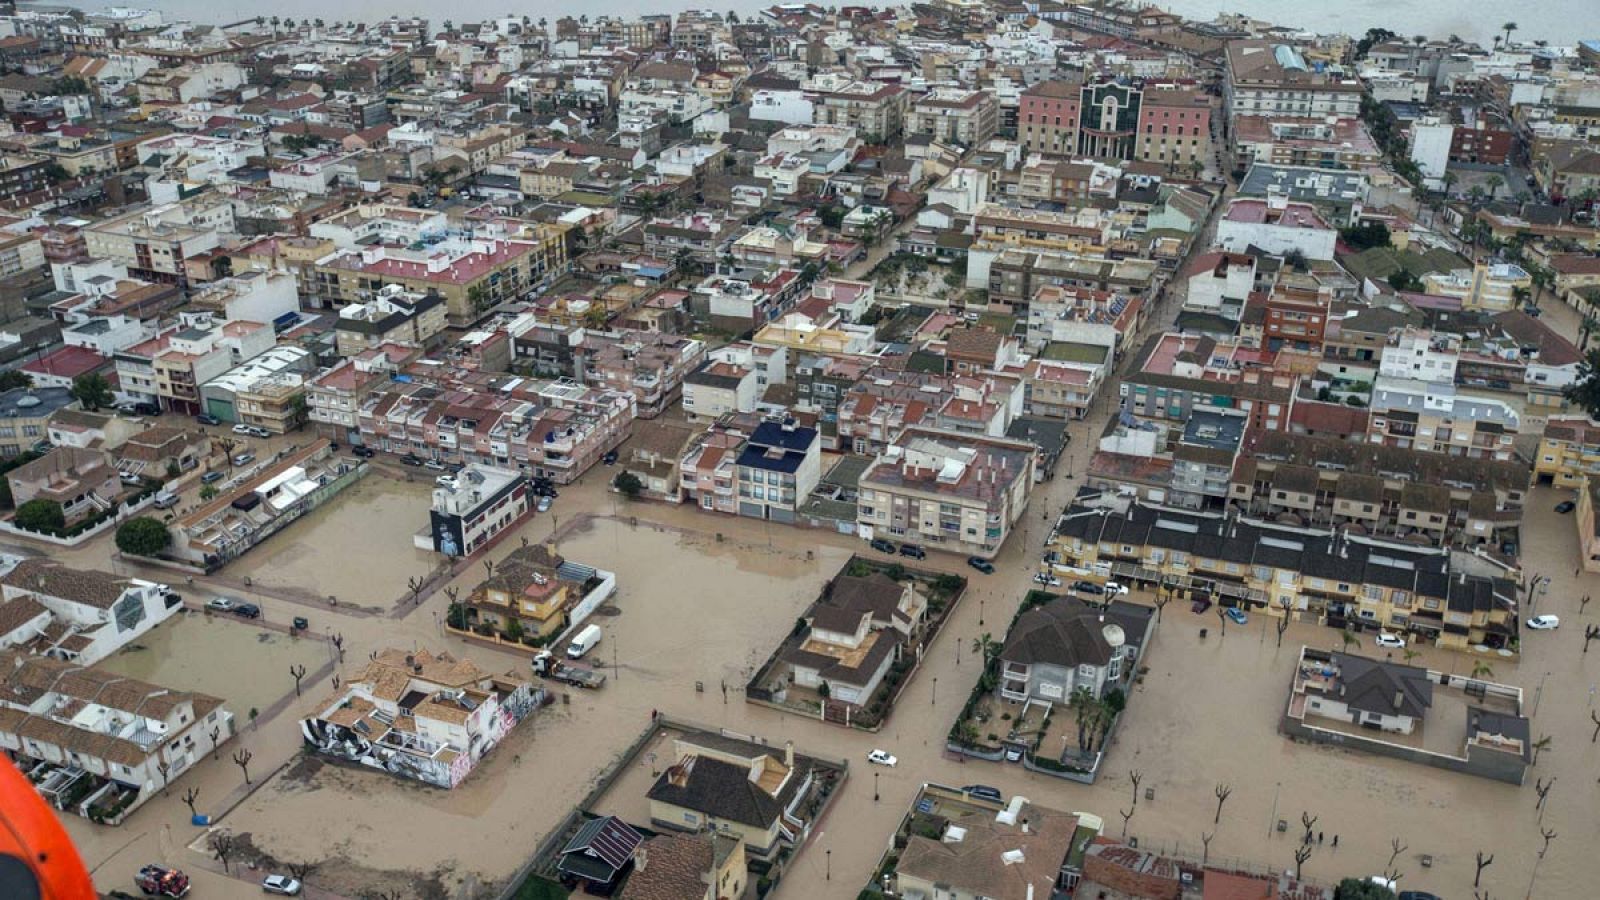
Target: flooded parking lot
(220, 655)
(356, 547)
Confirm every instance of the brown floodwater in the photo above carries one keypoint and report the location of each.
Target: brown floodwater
(356, 547)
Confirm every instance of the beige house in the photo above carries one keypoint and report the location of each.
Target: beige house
(82, 481)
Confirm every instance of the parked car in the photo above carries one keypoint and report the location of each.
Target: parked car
(544, 504)
(1200, 605)
(1544, 623)
(220, 604)
(1237, 616)
(981, 564)
(913, 551)
(363, 452)
(983, 792)
(242, 428)
(1565, 507)
(1116, 589)
(1046, 579)
(207, 419)
(433, 465)
(411, 459)
(244, 459)
(1391, 641)
(610, 458)
(1013, 754)
(129, 478)
(212, 477)
(882, 546)
(165, 500)
(1087, 587)
(445, 480)
(247, 611)
(882, 758)
(280, 884)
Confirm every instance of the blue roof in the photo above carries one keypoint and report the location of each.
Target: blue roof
(771, 459)
(773, 434)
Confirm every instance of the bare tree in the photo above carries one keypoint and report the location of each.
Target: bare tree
(163, 767)
(1583, 603)
(1222, 617)
(1398, 849)
(222, 846)
(216, 738)
(488, 568)
(1283, 621)
(1222, 792)
(1205, 845)
(414, 584)
(1163, 597)
(300, 871)
(1549, 835)
(298, 672)
(1483, 862)
(189, 798)
(1310, 822)
(1301, 854)
(1541, 745)
(1126, 814)
(241, 758)
(1135, 776)
(1595, 718)
(1590, 633)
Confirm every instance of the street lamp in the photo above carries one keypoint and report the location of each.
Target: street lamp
(828, 876)
(980, 610)
(875, 786)
(935, 695)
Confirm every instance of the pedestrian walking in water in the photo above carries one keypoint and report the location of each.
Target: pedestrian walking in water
(1336, 840)
(1319, 839)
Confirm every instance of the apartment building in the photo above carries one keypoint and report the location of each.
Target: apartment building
(1569, 452)
(1277, 226)
(25, 415)
(946, 491)
(1321, 143)
(169, 368)
(1116, 120)
(1333, 578)
(393, 316)
(1261, 77)
(267, 391)
(777, 469)
(1489, 286)
(1327, 482)
(103, 743)
(473, 506)
(156, 243)
(650, 365)
(954, 116)
(1435, 417)
(1177, 373)
(876, 111)
(335, 394)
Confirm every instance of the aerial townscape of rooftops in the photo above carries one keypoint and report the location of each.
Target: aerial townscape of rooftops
(651, 457)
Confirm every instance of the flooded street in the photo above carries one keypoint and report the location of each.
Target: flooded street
(692, 608)
(219, 655)
(331, 550)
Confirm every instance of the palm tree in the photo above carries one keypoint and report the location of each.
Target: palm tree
(1481, 669)
(987, 647)
(1449, 179)
(1495, 183)
(1508, 28)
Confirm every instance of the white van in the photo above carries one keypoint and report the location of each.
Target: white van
(165, 500)
(583, 642)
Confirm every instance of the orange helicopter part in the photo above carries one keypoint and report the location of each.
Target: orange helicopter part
(37, 859)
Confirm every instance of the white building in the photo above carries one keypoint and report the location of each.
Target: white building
(789, 107)
(1430, 148)
(472, 506)
(964, 190)
(78, 615)
(1276, 225)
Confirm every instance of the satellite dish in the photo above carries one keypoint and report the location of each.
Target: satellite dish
(1114, 635)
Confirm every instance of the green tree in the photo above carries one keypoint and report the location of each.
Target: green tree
(1365, 237)
(1360, 889)
(1584, 391)
(143, 536)
(92, 391)
(15, 378)
(40, 515)
(208, 492)
(1372, 38)
(1508, 28)
(1402, 280)
(629, 484)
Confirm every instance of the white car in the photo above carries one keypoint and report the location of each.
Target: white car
(882, 758)
(1544, 623)
(1392, 641)
(1116, 589)
(280, 884)
(1047, 580)
(242, 428)
(446, 481)
(221, 604)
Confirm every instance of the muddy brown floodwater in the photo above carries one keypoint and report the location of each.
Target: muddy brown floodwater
(356, 547)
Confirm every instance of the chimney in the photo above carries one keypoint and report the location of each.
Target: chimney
(788, 753)
(1399, 699)
(641, 858)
